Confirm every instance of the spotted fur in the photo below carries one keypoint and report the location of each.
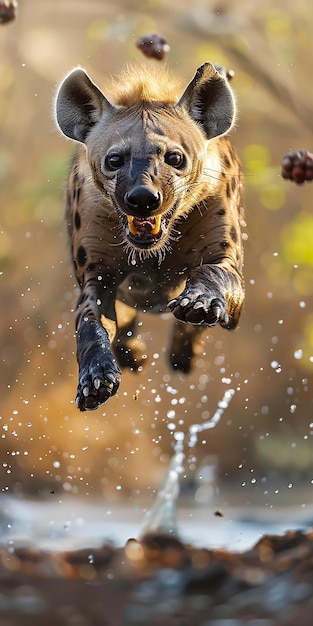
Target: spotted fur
(154, 216)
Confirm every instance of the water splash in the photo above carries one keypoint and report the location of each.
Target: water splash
(161, 517)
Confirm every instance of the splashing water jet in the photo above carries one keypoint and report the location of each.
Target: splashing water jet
(161, 517)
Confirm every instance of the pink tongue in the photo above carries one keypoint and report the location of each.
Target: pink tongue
(143, 225)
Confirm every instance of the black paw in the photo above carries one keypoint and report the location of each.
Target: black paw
(130, 354)
(199, 308)
(185, 345)
(98, 381)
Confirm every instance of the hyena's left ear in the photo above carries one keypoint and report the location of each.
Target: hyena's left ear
(209, 101)
(79, 105)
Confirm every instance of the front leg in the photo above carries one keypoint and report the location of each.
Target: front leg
(98, 372)
(212, 295)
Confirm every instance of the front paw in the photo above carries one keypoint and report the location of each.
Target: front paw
(198, 307)
(98, 381)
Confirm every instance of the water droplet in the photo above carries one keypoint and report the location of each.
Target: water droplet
(298, 354)
(179, 435)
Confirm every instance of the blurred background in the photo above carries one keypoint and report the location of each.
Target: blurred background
(262, 449)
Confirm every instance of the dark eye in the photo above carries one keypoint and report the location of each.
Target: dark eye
(114, 161)
(174, 159)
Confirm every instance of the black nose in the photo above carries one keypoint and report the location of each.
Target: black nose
(142, 199)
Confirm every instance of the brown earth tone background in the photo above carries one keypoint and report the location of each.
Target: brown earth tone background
(123, 449)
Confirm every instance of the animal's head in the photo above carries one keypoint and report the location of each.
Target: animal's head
(147, 146)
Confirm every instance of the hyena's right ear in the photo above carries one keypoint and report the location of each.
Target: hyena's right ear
(209, 101)
(79, 105)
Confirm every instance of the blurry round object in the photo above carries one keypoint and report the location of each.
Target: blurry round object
(153, 46)
(8, 10)
(298, 166)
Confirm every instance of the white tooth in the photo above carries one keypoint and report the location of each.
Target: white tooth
(198, 305)
(184, 302)
(131, 227)
(97, 383)
(157, 225)
(86, 392)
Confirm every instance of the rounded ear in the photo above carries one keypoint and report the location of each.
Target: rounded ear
(79, 105)
(209, 101)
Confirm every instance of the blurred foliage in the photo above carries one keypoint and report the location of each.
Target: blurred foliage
(127, 442)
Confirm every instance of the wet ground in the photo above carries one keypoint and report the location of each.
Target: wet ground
(71, 523)
(63, 564)
(159, 580)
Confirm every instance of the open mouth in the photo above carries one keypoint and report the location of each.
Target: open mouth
(144, 231)
(149, 231)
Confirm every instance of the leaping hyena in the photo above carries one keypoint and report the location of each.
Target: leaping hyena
(153, 212)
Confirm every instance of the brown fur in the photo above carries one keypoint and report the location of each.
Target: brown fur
(144, 84)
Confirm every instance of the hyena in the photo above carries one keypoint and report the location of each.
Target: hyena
(154, 215)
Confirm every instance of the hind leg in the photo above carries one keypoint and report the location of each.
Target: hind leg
(185, 344)
(129, 348)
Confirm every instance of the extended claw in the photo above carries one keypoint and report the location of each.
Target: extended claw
(172, 303)
(198, 308)
(217, 311)
(184, 302)
(112, 377)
